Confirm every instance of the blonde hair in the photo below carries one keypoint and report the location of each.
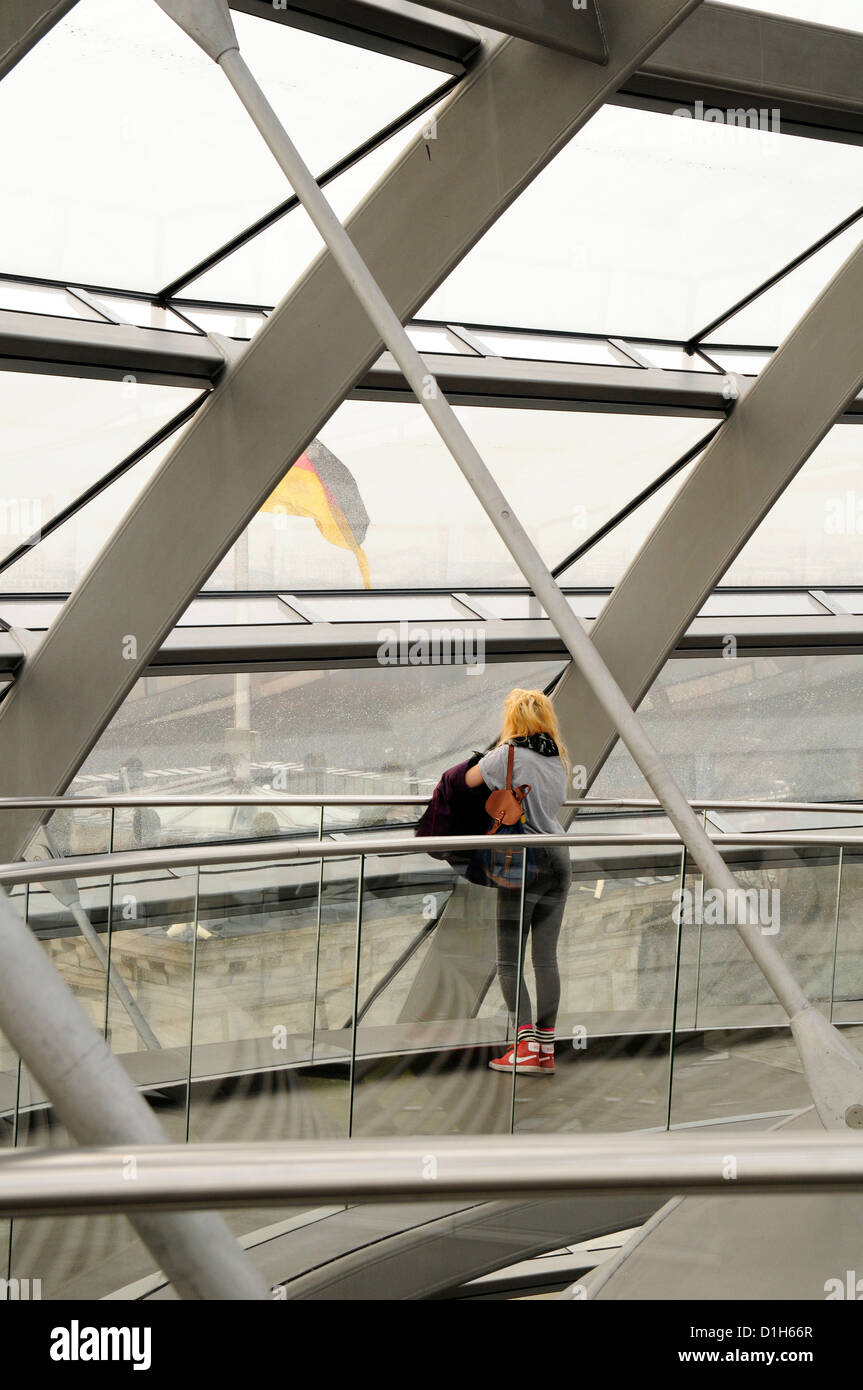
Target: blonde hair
(527, 712)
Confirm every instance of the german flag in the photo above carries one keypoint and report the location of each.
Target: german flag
(321, 487)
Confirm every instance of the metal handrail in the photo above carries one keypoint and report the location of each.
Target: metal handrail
(66, 803)
(272, 851)
(200, 1176)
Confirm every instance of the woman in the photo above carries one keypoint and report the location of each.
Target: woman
(540, 759)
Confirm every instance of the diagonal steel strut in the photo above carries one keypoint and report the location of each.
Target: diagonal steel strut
(834, 1070)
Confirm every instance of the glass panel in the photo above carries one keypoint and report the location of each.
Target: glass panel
(422, 1050)
(513, 605)
(673, 359)
(391, 728)
(791, 894)
(782, 728)
(43, 299)
(412, 519)
(232, 325)
(773, 314)
(150, 1000)
(261, 271)
(549, 349)
(274, 970)
(753, 1076)
(616, 956)
(85, 1258)
(848, 979)
(527, 606)
(230, 612)
(746, 363)
(611, 213)
(387, 608)
(35, 616)
(606, 561)
(166, 197)
(723, 604)
(434, 1012)
(57, 563)
(850, 599)
(811, 535)
(737, 1078)
(60, 435)
(143, 313)
(436, 340)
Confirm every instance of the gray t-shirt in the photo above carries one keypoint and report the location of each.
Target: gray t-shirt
(547, 778)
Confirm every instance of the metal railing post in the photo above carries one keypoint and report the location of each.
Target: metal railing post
(357, 961)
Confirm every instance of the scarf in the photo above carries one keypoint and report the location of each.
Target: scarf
(538, 743)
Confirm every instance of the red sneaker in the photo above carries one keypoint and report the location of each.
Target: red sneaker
(546, 1059)
(528, 1060)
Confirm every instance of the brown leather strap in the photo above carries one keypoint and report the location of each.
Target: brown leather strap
(509, 763)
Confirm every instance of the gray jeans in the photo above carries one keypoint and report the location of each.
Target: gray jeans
(544, 902)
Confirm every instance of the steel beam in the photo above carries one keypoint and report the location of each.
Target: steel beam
(23, 23)
(738, 58)
(412, 229)
(201, 651)
(771, 433)
(93, 348)
(572, 29)
(395, 27)
(725, 57)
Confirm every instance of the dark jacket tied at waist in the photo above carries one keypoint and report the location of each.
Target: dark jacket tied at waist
(456, 809)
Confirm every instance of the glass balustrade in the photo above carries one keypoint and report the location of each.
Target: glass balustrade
(359, 993)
